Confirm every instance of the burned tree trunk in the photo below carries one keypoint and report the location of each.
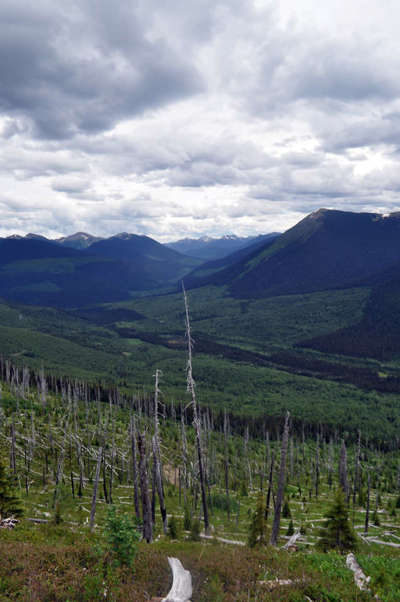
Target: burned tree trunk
(134, 468)
(281, 483)
(271, 474)
(367, 508)
(343, 482)
(226, 462)
(357, 469)
(317, 468)
(144, 488)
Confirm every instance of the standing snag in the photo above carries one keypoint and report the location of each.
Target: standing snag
(196, 418)
(281, 483)
(343, 481)
(144, 488)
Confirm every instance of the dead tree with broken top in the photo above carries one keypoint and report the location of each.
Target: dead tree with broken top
(196, 419)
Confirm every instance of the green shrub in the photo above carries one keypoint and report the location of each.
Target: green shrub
(173, 531)
(10, 504)
(121, 535)
(375, 519)
(257, 535)
(195, 530)
(187, 519)
(213, 590)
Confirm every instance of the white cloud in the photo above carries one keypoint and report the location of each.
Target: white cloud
(185, 118)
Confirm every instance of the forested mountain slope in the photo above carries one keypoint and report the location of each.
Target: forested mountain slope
(36, 271)
(327, 250)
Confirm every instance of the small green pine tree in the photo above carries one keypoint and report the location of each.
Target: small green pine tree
(187, 519)
(337, 532)
(173, 531)
(375, 519)
(10, 504)
(286, 510)
(57, 514)
(290, 530)
(257, 525)
(195, 530)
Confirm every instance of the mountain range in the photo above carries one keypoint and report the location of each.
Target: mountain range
(209, 248)
(34, 270)
(327, 250)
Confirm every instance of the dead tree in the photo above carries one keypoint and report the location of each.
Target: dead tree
(43, 387)
(367, 508)
(226, 462)
(343, 481)
(317, 467)
(60, 465)
(184, 456)
(135, 479)
(144, 489)
(95, 487)
(357, 469)
(246, 455)
(113, 453)
(271, 475)
(157, 455)
(281, 483)
(196, 420)
(330, 463)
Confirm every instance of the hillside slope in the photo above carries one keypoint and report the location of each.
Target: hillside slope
(326, 250)
(157, 261)
(39, 272)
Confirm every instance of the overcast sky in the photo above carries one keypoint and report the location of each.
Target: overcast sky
(177, 118)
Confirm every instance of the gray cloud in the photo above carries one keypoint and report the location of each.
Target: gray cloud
(83, 66)
(187, 118)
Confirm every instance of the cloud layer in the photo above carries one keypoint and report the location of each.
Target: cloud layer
(185, 118)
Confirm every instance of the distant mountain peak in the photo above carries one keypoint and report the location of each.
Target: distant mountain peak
(210, 248)
(125, 235)
(79, 240)
(35, 236)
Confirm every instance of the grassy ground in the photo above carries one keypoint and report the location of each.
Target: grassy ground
(61, 560)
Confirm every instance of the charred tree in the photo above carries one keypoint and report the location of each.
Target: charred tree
(281, 483)
(144, 489)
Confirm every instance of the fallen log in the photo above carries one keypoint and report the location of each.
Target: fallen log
(360, 578)
(274, 583)
(181, 590)
(292, 541)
